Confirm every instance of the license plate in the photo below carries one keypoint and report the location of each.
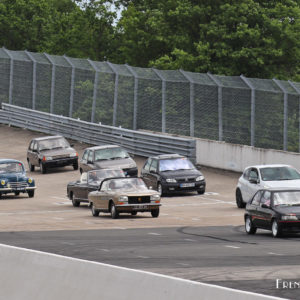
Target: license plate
(187, 184)
(140, 207)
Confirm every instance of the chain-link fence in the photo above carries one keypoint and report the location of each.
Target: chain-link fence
(249, 111)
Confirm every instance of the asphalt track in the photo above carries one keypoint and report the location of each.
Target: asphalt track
(201, 238)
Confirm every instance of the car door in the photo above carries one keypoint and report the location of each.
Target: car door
(145, 172)
(252, 208)
(265, 213)
(101, 201)
(154, 177)
(253, 184)
(90, 161)
(35, 154)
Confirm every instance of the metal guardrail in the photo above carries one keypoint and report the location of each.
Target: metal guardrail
(136, 142)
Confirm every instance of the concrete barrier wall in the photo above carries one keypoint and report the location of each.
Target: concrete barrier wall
(236, 157)
(27, 275)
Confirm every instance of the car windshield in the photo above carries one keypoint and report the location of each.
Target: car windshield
(279, 173)
(110, 153)
(286, 198)
(175, 164)
(127, 184)
(99, 175)
(53, 143)
(12, 167)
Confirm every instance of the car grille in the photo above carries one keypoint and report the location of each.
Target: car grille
(21, 184)
(137, 200)
(186, 179)
(62, 156)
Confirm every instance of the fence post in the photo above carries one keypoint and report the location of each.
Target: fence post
(163, 103)
(11, 75)
(285, 113)
(95, 89)
(298, 92)
(192, 101)
(72, 85)
(135, 95)
(52, 82)
(115, 93)
(33, 78)
(250, 85)
(220, 104)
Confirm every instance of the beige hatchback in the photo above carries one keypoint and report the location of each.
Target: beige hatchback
(124, 195)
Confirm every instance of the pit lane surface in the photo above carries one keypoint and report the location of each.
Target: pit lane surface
(195, 237)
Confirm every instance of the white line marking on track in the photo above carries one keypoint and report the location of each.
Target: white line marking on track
(142, 256)
(154, 233)
(62, 203)
(234, 247)
(59, 198)
(182, 264)
(55, 218)
(105, 250)
(190, 240)
(272, 253)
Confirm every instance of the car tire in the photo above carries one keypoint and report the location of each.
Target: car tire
(75, 203)
(31, 167)
(159, 188)
(80, 170)
(31, 193)
(201, 192)
(239, 199)
(75, 166)
(134, 213)
(43, 168)
(17, 193)
(155, 213)
(95, 212)
(276, 229)
(249, 227)
(114, 212)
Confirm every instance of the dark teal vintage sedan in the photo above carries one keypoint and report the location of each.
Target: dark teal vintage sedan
(13, 178)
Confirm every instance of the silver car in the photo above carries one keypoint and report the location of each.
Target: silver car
(258, 177)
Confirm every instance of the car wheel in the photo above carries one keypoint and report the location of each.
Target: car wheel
(159, 189)
(155, 213)
(80, 170)
(74, 202)
(31, 193)
(75, 166)
(17, 193)
(31, 167)
(95, 212)
(134, 213)
(114, 212)
(42, 168)
(276, 229)
(239, 199)
(201, 192)
(249, 227)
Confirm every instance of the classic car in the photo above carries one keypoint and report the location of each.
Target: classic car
(51, 151)
(257, 177)
(108, 156)
(171, 173)
(275, 209)
(78, 191)
(13, 178)
(124, 195)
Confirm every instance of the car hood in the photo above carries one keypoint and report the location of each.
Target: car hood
(288, 210)
(58, 152)
(13, 177)
(124, 163)
(282, 183)
(181, 173)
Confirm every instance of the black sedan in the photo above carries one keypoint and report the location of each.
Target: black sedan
(273, 209)
(78, 191)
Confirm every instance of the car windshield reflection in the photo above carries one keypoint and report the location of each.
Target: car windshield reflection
(127, 184)
(279, 173)
(56, 143)
(175, 165)
(291, 198)
(99, 175)
(110, 153)
(11, 168)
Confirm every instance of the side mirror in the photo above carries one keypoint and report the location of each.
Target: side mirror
(131, 155)
(198, 167)
(152, 172)
(89, 162)
(254, 180)
(265, 206)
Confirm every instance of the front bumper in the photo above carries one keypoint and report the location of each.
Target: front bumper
(183, 186)
(62, 162)
(290, 226)
(17, 189)
(137, 207)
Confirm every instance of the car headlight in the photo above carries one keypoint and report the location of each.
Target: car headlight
(73, 154)
(2, 182)
(29, 180)
(123, 198)
(171, 180)
(199, 178)
(154, 197)
(289, 217)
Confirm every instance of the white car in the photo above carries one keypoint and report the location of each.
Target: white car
(257, 177)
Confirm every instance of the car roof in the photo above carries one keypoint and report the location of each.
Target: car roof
(268, 166)
(103, 147)
(8, 160)
(47, 137)
(168, 156)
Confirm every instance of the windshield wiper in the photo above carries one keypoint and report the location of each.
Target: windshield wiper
(99, 159)
(117, 157)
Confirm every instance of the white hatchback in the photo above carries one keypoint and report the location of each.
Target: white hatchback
(257, 177)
